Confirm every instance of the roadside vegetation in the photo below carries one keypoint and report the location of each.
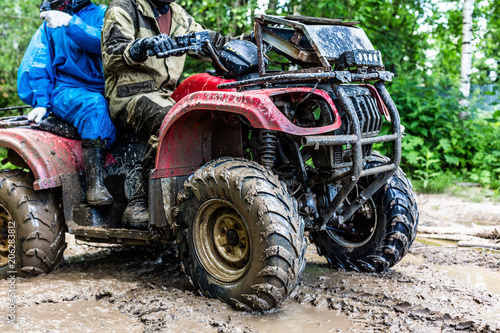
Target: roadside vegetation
(447, 141)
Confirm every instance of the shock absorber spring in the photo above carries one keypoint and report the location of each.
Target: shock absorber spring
(267, 148)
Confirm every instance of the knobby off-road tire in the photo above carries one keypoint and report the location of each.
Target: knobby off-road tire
(39, 228)
(391, 230)
(241, 239)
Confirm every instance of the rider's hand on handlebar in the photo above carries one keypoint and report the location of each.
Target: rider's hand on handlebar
(163, 43)
(37, 114)
(156, 45)
(139, 48)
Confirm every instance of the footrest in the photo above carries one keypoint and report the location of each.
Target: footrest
(114, 235)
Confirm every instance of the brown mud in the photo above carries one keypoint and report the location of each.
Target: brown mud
(438, 287)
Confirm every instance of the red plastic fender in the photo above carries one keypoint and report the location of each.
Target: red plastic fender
(47, 155)
(199, 82)
(187, 127)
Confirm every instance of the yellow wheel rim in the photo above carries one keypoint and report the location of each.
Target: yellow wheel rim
(222, 240)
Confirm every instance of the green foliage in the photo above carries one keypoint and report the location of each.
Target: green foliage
(18, 23)
(487, 43)
(446, 38)
(438, 140)
(439, 183)
(227, 17)
(429, 169)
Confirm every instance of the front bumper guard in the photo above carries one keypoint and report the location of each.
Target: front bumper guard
(384, 171)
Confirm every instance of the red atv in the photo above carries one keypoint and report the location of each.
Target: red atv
(248, 160)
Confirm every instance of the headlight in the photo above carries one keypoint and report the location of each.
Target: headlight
(365, 58)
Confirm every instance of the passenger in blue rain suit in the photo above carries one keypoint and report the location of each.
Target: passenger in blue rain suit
(61, 72)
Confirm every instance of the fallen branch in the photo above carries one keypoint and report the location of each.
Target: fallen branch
(492, 233)
(448, 237)
(479, 245)
(488, 232)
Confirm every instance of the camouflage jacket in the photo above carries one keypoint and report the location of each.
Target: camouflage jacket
(125, 21)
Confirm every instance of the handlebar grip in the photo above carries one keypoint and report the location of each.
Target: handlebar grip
(175, 52)
(193, 42)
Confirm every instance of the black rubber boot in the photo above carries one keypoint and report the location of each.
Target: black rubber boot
(136, 214)
(93, 159)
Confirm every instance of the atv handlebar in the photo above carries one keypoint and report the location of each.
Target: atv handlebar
(14, 121)
(194, 42)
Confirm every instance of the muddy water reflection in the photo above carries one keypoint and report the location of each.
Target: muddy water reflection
(477, 277)
(474, 276)
(75, 316)
(471, 275)
(297, 318)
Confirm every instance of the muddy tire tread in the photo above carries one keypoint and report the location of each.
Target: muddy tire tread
(40, 227)
(282, 264)
(399, 206)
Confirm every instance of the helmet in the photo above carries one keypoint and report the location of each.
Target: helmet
(68, 6)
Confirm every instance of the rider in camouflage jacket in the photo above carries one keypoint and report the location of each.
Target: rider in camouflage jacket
(139, 91)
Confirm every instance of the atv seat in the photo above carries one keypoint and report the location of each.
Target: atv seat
(59, 127)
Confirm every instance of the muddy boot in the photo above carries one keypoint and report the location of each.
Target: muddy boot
(136, 214)
(93, 159)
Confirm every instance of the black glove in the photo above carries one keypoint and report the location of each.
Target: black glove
(163, 44)
(140, 47)
(156, 45)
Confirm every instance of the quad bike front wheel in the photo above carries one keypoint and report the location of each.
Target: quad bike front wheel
(380, 233)
(31, 227)
(241, 238)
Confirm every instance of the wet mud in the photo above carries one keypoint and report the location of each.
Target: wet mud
(436, 288)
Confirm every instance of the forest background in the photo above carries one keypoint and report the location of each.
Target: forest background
(447, 140)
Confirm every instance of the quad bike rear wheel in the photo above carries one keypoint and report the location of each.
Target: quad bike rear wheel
(380, 232)
(241, 238)
(31, 227)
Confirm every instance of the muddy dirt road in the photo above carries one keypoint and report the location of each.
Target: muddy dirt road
(437, 287)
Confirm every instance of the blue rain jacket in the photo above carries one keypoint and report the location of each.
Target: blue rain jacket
(62, 71)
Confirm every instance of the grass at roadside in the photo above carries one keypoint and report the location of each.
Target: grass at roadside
(444, 183)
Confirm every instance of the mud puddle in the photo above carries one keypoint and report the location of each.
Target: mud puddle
(415, 295)
(297, 318)
(479, 278)
(474, 276)
(74, 316)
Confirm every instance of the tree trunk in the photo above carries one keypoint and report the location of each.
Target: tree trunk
(466, 66)
(296, 9)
